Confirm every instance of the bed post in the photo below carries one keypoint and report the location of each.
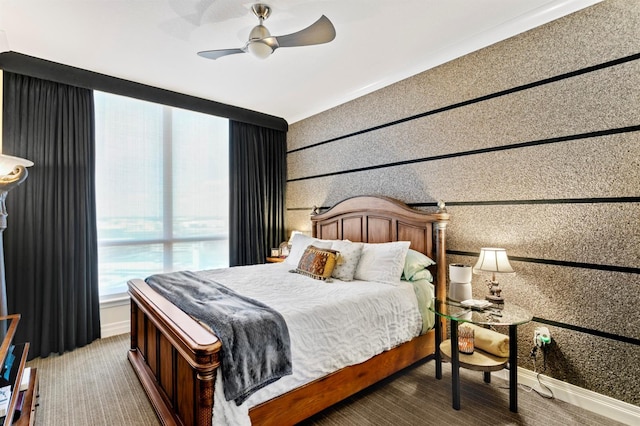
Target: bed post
(441, 265)
(205, 381)
(314, 231)
(133, 335)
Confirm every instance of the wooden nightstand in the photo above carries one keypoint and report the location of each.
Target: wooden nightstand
(275, 259)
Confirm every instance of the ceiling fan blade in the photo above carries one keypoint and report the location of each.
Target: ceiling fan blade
(215, 54)
(321, 31)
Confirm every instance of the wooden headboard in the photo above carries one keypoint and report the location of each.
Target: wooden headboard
(374, 219)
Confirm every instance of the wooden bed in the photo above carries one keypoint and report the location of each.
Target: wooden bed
(176, 359)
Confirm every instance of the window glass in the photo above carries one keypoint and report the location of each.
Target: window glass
(162, 190)
(200, 167)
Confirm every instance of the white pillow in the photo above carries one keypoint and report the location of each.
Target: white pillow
(382, 262)
(299, 244)
(345, 268)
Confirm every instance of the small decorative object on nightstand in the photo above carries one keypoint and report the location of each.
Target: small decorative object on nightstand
(465, 339)
(284, 249)
(493, 260)
(460, 282)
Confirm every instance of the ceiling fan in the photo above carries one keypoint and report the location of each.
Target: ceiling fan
(262, 44)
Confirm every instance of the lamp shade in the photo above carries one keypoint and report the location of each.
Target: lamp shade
(493, 260)
(8, 163)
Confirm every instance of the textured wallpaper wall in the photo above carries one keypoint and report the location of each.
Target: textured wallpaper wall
(534, 143)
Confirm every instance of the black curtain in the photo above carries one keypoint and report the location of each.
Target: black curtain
(51, 241)
(258, 174)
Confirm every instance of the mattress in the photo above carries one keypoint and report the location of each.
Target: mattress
(331, 324)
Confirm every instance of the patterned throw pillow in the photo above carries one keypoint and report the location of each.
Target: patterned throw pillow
(348, 262)
(299, 243)
(317, 263)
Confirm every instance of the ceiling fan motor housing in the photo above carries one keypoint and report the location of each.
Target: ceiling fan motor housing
(261, 10)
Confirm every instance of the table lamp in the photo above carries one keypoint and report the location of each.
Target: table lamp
(493, 260)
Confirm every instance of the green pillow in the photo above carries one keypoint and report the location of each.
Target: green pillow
(424, 274)
(415, 262)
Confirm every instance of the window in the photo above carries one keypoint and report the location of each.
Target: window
(162, 190)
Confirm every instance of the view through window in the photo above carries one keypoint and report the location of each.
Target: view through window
(162, 190)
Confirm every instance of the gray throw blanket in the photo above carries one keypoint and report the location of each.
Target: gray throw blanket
(256, 349)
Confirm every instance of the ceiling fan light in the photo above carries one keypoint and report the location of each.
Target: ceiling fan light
(259, 49)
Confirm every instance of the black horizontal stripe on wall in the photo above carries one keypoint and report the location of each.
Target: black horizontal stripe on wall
(599, 200)
(548, 141)
(527, 86)
(595, 266)
(590, 331)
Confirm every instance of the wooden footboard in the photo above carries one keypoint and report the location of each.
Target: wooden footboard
(176, 360)
(174, 357)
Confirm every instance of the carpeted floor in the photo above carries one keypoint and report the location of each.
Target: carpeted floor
(92, 386)
(96, 386)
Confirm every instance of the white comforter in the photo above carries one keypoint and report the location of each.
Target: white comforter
(331, 325)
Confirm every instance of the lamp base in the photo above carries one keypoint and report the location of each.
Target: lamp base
(495, 299)
(460, 291)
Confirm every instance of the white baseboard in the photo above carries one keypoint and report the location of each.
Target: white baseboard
(115, 316)
(114, 328)
(592, 401)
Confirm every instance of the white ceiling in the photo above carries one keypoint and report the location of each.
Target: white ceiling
(154, 42)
